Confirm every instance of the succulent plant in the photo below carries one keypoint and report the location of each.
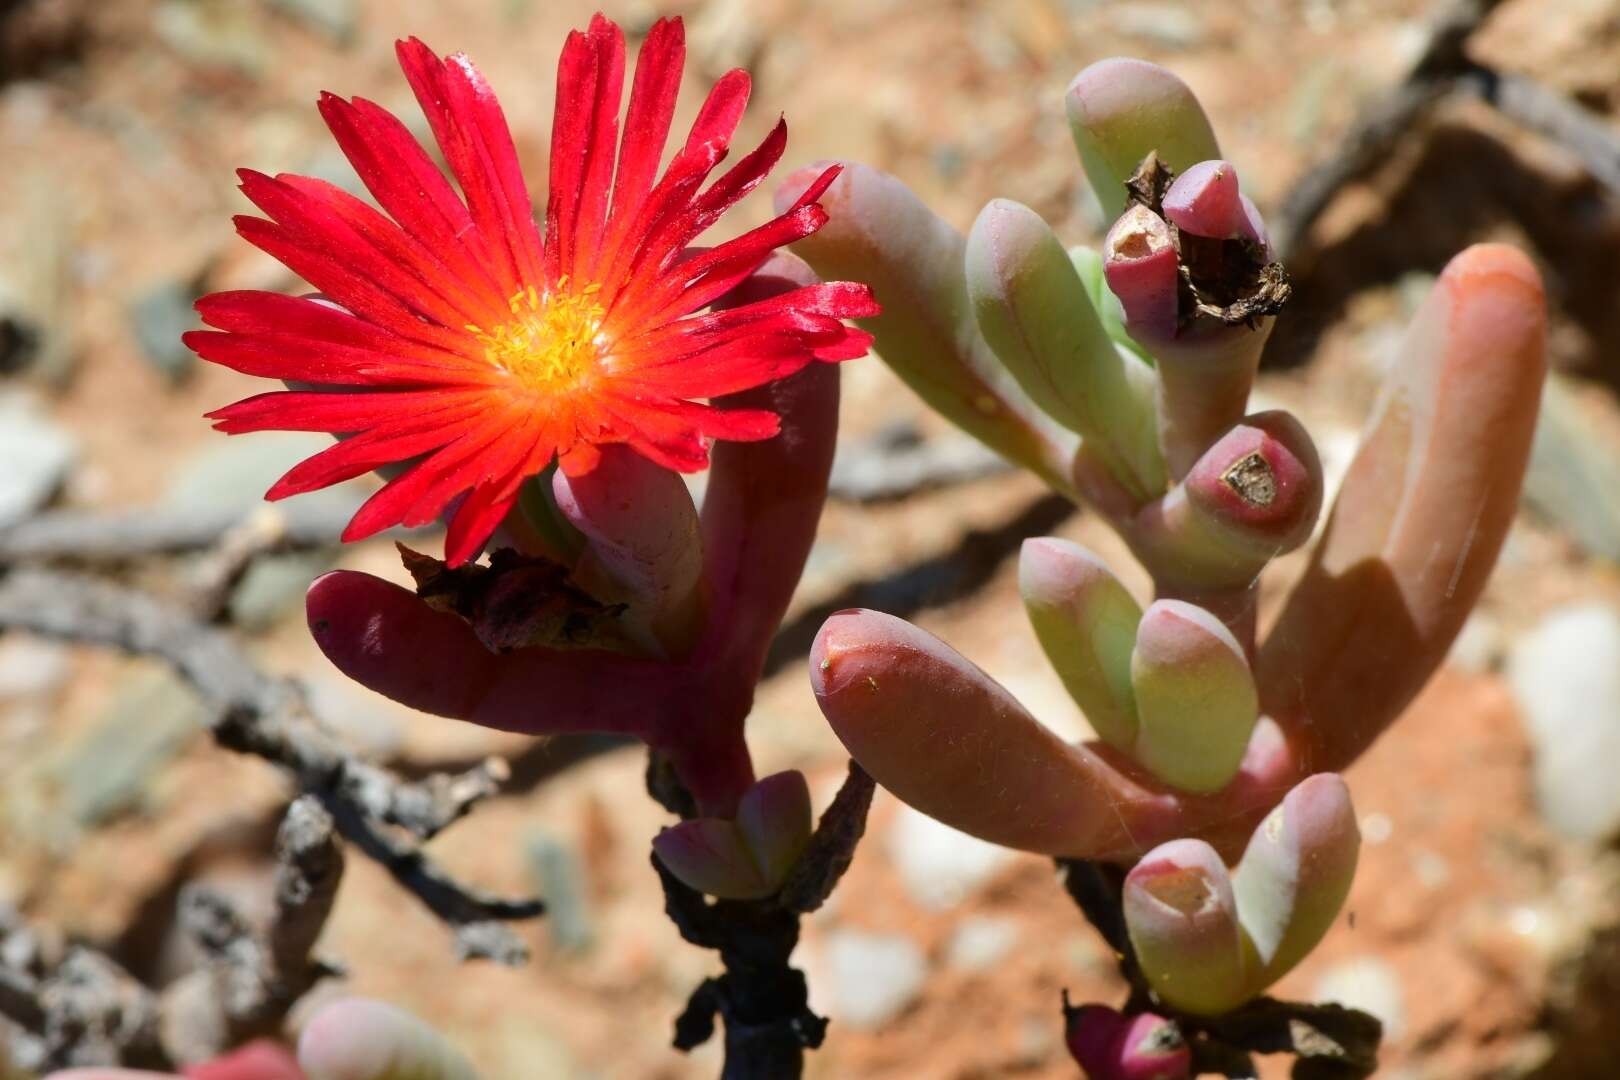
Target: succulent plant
(1121, 377)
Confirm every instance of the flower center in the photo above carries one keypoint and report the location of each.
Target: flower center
(552, 342)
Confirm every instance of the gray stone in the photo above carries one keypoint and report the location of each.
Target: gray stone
(107, 771)
(336, 19)
(1172, 26)
(560, 880)
(32, 667)
(872, 978)
(939, 866)
(1368, 984)
(157, 318)
(229, 477)
(1574, 475)
(1566, 677)
(36, 455)
(273, 587)
(980, 942)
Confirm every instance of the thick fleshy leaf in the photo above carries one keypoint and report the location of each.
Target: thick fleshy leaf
(1086, 622)
(774, 820)
(1182, 920)
(1195, 699)
(764, 499)
(642, 547)
(946, 738)
(879, 232)
(1120, 110)
(386, 638)
(358, 1039)
(1205, 201)
(709, 855)
(1143, 271)
(1421, 514)
(1254, 495)
(1296, 873)
(1034, 312)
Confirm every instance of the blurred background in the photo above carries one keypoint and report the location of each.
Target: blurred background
(1484, 928)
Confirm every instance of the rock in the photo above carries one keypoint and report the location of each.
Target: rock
(229, 477)
(1479, 645)
(338, 20)
(1565, 675)
(31, 667)
(218, 36)
(368, 723)
(36, 455)
(980, 942)
(938, 865)
(871, 978)
(108, 770)
(1171, 26)
(157, 318)
(1574, 475)
(1368, 984)
(274, 586)
(560, 880)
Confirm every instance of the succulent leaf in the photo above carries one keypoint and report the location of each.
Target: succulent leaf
(1036, 315)
(1086, 622)
(1196, 704)
(1182, 919)
(1120, 110)
(881, 232)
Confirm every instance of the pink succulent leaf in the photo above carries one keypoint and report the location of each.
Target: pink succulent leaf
(1143, 270)
(1120, 110)
(1421, 515)
(386, 638)
(950, 741)
(710, 855)
(1205, 201)
(642, 547)
(927, 334)
(1196, 704)
(764, 500)
(1034, 312)
(359, 1039)
(774, 819)
(1296, 873)
(1254, 495)
(1183, 924)
(1086, 623)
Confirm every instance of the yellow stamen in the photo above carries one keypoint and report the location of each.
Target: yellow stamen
(553, 340)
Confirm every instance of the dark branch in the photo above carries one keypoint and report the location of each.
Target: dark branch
(1444, 72)
(267, 716)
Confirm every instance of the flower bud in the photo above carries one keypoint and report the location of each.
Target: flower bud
(641, 542)
(1111, 1046)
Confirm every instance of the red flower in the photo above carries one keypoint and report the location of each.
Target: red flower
(457, 337)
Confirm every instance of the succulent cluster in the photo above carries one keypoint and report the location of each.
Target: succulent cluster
(1122, 377)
